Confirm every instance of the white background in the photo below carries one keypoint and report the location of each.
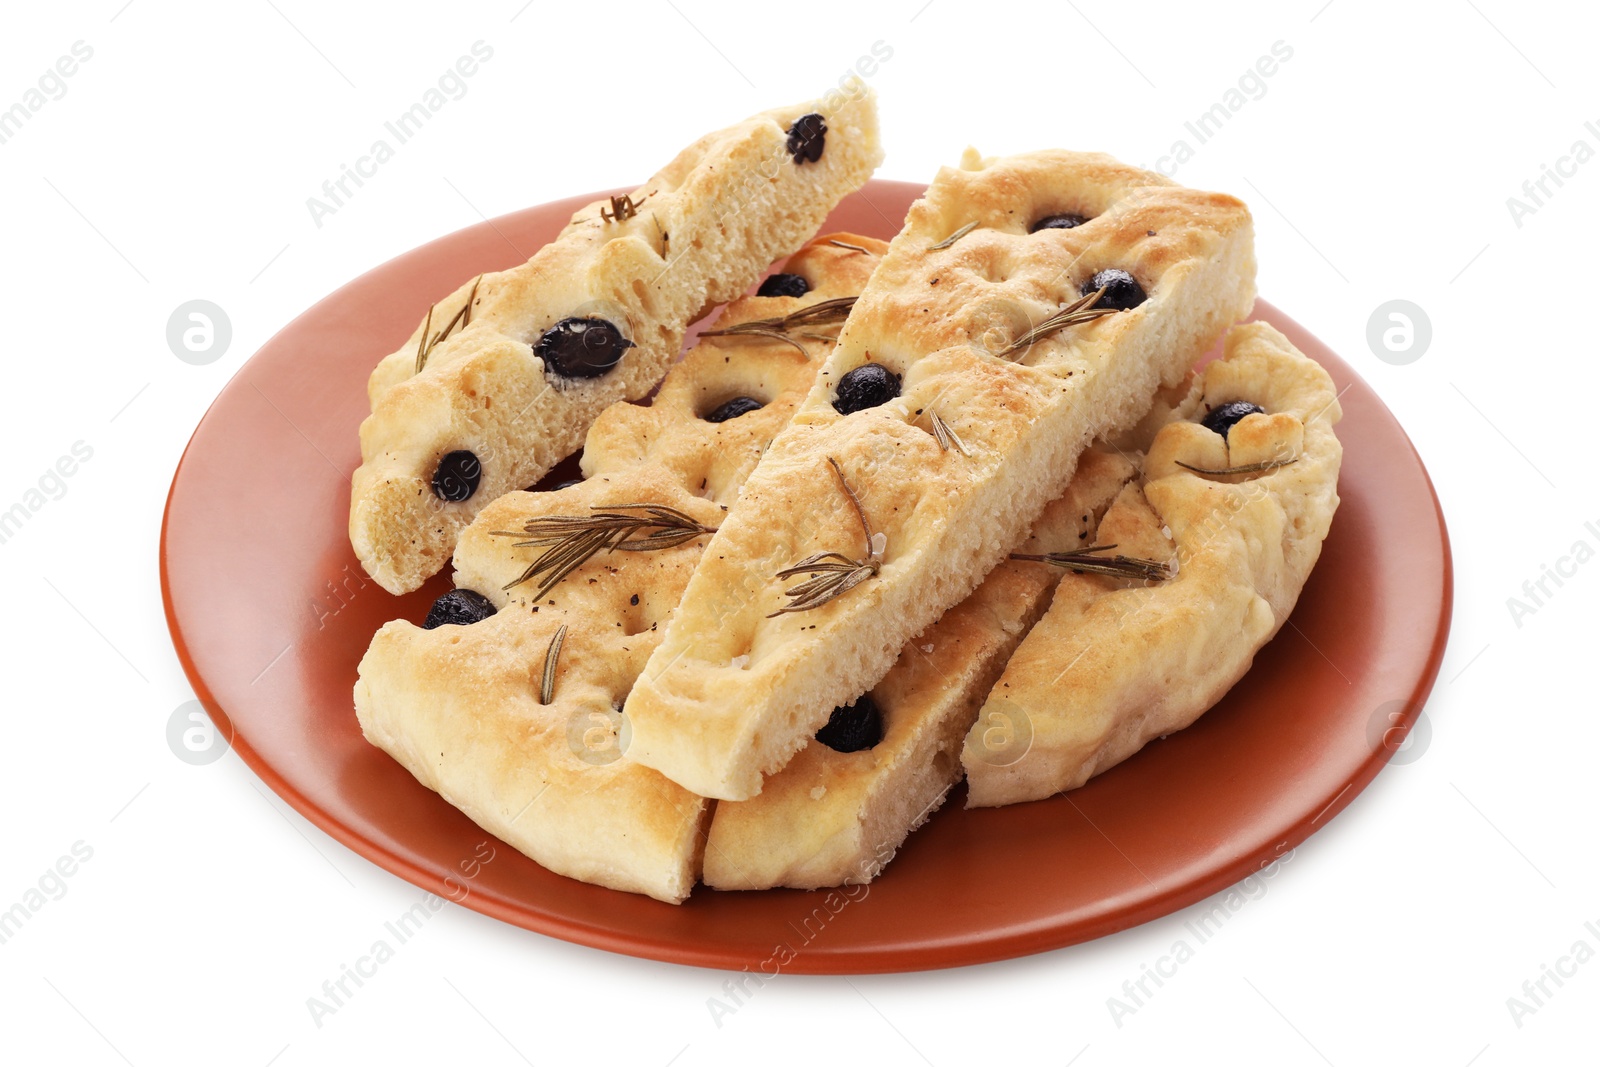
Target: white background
(1378, 163)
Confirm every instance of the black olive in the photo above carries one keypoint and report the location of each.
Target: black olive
(581, 347)
(1122, 292)
(853, 727)
(732, 409)
(1058, 222)
(867, 386)
(784, 285)
(1220, 420)
(806, 137)
(457, 476)
(458, 607)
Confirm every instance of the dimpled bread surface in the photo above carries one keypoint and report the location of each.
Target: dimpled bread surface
(459, 706)
(1113, 665)
(836, 818)
(705, 227)
(731, 694)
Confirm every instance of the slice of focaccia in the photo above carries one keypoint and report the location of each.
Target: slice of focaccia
(1241, 500)
(463, 705)
(868, 518)
(837, 813)
(503, 377)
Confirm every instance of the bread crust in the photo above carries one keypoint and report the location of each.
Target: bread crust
(837, 818)
(459, 706)
(706, 226)
(1113, 665)
(937, 317)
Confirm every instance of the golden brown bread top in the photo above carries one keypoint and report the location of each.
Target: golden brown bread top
(1113, 664)
(938, 317)
(833, 818)
(700, 232)
(671, 429)
(460, 706)
(999, 280)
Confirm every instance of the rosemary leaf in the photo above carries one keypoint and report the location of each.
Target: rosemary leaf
(832, 573)
(547, 685)
(622, 208)
(1249, 468)
(947, 436)
(1080, 310)
(818, 314)
(773, 334)
(822, 313)
(422, 342)
(953, 238)
(1118, 566)
(847, 244)
(463, 318)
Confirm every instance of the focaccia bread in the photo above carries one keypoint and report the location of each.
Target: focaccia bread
(460, 705)
(972, 325)
(1113, 664)
(841, 808)
(503, 377)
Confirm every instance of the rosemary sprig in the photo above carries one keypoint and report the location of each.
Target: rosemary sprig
(1248, 468)
(946, 436)
(462, 317)
(1080, 310)
(778, 328)
(547, 684)
(953, 238)
(847, 244)
(833, 573)
(573, 540)
(1118, 566)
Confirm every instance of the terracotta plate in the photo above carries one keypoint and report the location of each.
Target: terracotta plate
(270, 613)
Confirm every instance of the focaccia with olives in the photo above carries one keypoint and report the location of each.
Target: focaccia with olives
(860, 527)
(503, 377)
(461, 702)
(1239, 502)
(843, 806)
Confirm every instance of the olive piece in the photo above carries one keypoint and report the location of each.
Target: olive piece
(867, 386)
(1221, 419)
(458, 607)
(853, 727)
(1122, 292)
(784, 285)
(732, 409)
(1058, 222)
(585, 347)
(457, 476)
(806, 138)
